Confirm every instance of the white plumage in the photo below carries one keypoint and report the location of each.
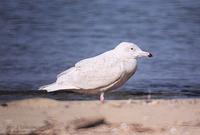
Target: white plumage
(102, 73)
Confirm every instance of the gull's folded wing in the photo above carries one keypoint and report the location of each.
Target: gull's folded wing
(93, 73)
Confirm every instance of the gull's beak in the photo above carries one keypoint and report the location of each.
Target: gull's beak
(146, 54)
(150, 55)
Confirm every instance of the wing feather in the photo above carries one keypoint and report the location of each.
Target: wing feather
(92, 73)
(97, 72)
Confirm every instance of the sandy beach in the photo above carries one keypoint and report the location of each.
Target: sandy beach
(43, 116)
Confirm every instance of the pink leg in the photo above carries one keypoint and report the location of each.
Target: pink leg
(102, 97)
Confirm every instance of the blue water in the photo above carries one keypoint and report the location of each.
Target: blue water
(39, 39)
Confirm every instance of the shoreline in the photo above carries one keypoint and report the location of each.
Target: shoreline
(7, 96)
(48, 116)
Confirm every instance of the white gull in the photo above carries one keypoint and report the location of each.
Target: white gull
(101, 73)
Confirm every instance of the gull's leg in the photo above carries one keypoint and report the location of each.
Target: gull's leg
(102, 97)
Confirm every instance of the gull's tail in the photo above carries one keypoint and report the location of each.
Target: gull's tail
(59, 85)
(55, 87)
(50, 87)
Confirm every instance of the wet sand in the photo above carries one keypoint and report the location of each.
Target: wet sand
(44, 116)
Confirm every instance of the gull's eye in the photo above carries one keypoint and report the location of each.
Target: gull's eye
(131, 48)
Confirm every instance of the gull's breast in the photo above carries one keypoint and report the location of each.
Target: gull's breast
(128, 68)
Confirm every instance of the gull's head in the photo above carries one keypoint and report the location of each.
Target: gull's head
(129, 50)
